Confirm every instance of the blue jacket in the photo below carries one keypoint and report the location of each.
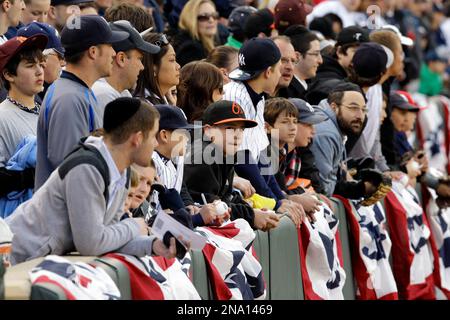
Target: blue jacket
(24, 157)
(328, 148)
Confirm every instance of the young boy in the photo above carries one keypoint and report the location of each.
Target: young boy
(169, 162)
(22, 73)
(75, 211)
(209, 172)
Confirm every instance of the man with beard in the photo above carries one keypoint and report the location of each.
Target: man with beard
(70, 110)
(346, 111)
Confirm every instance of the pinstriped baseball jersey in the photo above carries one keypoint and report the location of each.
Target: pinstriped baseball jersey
(254, 139)
(171, 176)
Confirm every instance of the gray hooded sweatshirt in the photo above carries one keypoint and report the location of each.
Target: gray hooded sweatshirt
(72, 215)
(328, 148)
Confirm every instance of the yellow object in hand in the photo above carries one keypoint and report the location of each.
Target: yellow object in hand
(259, 202)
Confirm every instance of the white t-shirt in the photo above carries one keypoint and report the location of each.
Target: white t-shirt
(105, 93)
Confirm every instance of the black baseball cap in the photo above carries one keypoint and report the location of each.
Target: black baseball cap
(225, 111)
(92, 30)
(238, 18)
(400, 100)
(172, 118)
(352, 34)
(134, 40)
(307, 113)
(260, 21)
(371, 59)
(255, 56)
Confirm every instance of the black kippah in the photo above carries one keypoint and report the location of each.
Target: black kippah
(119, 111)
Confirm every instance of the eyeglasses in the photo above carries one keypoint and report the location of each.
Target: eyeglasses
(287, 60)
(162, 41)
(315, 54)
(355, 109)
(206, 16)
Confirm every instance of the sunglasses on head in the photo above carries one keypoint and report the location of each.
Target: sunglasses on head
(162, 41)
(206, 16)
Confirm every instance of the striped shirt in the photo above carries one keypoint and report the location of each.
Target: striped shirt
(169, 173)
(254, 139)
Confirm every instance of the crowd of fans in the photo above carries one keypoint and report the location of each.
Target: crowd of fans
(114, 110)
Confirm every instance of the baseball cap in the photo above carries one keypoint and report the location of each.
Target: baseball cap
(403, 100)
(352, 34)
(134, 40)
(171, 118)
(255, 56)
(371, 59)
(259, 21)
(34, 28)
(68, 2)
(436, 55)
(290, 12)
(307, 113)
(404, 40)
(238, 18)
(93, 30)
(14, 45)
(225, 111)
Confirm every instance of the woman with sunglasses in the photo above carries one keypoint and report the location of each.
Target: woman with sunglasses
(196, 37)
(197, 92)
(161, 72)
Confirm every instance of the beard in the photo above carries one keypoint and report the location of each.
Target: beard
(347, 127)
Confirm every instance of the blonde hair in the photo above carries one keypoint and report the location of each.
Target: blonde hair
(134, 177)
(188, 22)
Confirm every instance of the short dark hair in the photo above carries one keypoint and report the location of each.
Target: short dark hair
(31, 55)
(143, 120)
(275, 107)
(300, 39)
(337, 93)
(363, 81)
(137, 16)
(74, 58)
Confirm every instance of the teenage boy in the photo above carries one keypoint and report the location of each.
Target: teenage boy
(22, 73)
(168, 157)
(209, 172)
(126, 66)
(70, 110)
(257, 76)
(63, 217)
(54, 51)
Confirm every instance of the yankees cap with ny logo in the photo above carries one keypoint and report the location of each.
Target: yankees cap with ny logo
(255, 56)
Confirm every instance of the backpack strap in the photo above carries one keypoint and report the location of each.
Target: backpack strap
(86, 154)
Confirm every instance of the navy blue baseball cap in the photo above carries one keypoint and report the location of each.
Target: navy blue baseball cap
(92, 30)
(238, 18)
(255, 56)
(172, 118)
(34, 28)
(307, 113)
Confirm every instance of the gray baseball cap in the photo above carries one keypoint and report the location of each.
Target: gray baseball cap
(134, 41)
(307, 113)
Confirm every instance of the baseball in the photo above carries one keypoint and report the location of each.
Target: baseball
(221, 208)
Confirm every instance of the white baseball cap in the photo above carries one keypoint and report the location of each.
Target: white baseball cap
(406, 41)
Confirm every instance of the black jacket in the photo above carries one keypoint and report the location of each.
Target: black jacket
(295, 90)
(187, 49)
(214, 180)
(330, 69)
